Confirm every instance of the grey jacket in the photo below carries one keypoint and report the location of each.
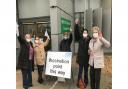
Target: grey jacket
(97, 53)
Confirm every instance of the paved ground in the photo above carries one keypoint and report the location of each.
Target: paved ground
(106, 78)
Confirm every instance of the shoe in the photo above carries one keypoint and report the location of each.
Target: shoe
(40, 81)
(31, 85)
(85, 86)
(25, 87)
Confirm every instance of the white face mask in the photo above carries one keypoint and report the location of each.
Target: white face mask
(37, 41)
(85, 35)
(95, 35)
(28, 40)
(65, 37)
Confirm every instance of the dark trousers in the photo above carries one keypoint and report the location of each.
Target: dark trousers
(85, 73)
(95, 77)
(40, 71)
(27, 78)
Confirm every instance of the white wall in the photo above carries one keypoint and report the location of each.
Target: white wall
(33, 8)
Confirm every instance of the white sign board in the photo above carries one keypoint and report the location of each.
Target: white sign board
(59, 64)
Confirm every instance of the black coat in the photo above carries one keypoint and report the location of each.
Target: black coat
(77, 32)
(65, 44)
(83, 57)
(23, 61)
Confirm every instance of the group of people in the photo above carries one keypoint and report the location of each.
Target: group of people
(28, 53)
(90, 53)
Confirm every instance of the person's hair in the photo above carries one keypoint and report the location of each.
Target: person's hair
(85, 30)
(65, 33)
(27, 34)
(95, 28)
(37, 37)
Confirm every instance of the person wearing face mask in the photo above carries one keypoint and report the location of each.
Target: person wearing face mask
(26, 59)
(39, 52)
(65, 46)
(83, 57)
(66, 42)
(96, 60)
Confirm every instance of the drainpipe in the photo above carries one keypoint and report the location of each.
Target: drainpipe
(73, 8)
(17, 12)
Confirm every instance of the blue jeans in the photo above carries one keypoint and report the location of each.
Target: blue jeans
(27, 77)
